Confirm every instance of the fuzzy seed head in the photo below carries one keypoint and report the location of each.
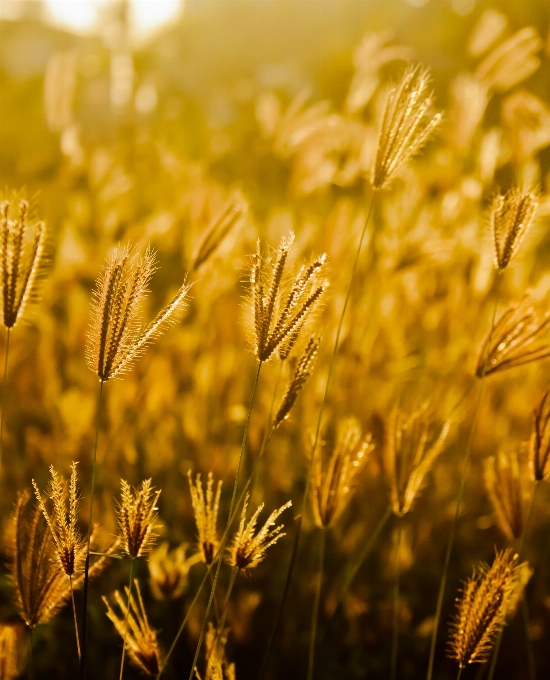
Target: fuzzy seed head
(504, 486)
(21, 260)
(137, 513)
(248, 550)
(511, 217)
(406, 124)
(539, 447)
(206, 507)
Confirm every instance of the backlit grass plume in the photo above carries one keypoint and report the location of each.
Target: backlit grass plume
(248, 549)
(406, 124)
(116, 336)
(301, 373)
(41, 587)
(169, 569)
(133, 626)
(539, 447)
(503, 482)
(67, 539)
(281, 307)
(21, 258)
(511, 342)
(481, 609)
(511, 216)
(206, 507)
(332, 484)
(410, 450)
(217, 666)
(137, 513)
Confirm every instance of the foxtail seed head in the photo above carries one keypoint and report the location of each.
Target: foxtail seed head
(137, 513)
(504, 486)
(206, 507)
(540, 440)
(511, 217)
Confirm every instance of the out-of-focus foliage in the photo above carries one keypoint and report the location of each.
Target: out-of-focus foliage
(246, 121)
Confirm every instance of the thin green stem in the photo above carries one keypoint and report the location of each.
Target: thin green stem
(316, 603)
(87, 563)
(317, 432)
(3, 402)
(465, 464)
(459, 673)
(226, 532)
(75, 618)
(127, 618)
(521, 550)
(395, 635)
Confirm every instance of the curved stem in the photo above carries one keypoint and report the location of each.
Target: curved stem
(498, 642)
(87, 563)
(395, 636)
(315, 617)
(75, 618)
(127, 618)
(465, 464)
(3, 402)
(226, 532)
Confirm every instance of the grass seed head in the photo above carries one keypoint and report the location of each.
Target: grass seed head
(282, 304)
(504, 486)
(332, 485)
(406, 124)
(137, 513)
(217, 666)
(539, 446)
(168, 571)
(511, 342)
(141, 640)
(481, 609)
(21, 260)
(511, 217)
(249, 549)
(116, 337)
(206, 507)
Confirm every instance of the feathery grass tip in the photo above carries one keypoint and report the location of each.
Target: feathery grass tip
(511, 216)
(137, 512)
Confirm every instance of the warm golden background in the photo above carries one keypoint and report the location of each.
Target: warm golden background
(123, 131)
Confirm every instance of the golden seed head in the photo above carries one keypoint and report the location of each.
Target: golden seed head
(206, 509)
(41, 587)
(281, 304)
(140, 639)
(302, 371)
(168, 571)
(332, 485)
(481, 609)
(21, 260)
(137, 513)
(510, 343)
(406, 124)
(67, 539)
(504, 486)
(410, 451)
(217, 666)
(248, 550)
(539, 447)
(116, 337)
(511, 217)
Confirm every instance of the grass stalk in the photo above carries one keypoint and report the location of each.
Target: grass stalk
(395, 633)
(316, 603)
(127, 619)
(521, 550)
(226, 532)
(465, 465)
(75, 618)
(84, 626)
(31, 658)
(3, 401)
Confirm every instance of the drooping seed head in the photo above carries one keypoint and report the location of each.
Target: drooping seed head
(21, 260)
(206, 509)
(248, 550)
(406, 124)
(481, 609)
(137, 513)
(510, 218)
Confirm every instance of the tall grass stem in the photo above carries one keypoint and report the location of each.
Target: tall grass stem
(395, 633)
(127, 619)
(75, 618)
(316, 603)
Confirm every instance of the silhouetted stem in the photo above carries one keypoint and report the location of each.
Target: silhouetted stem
(127, 618)
(465, 464)
(3, 403)
(226, 532)
(87, 564)
(75, 618)
(315, 617)
(395, 635)
(31, 655)
(459, 673)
